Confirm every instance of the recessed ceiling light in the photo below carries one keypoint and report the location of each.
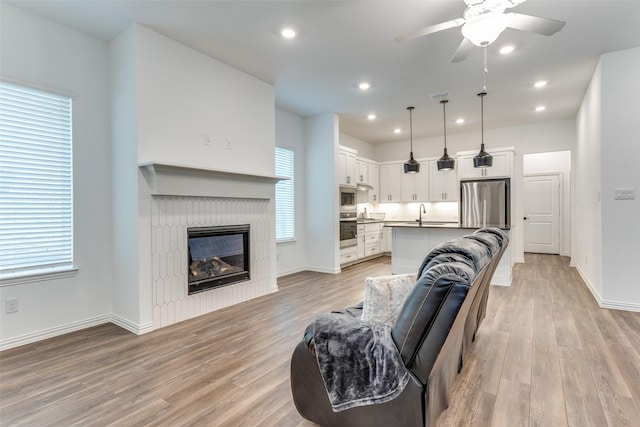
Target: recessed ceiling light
(397, 130)
(505, 50)
(460, 121)
(364, 85)
(288, 33)
(541, 108)
(371, 117)
(540, 83)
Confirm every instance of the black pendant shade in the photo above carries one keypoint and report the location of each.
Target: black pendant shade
(445, 163)
(482, 159)
(411, 165)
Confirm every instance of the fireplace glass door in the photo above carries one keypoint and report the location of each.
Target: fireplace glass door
(218, 256)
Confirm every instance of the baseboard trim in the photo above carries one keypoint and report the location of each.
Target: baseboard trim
(130, 326)
(590, 285)
(291, 271)
(76, 326)
(322, 270)
(616, 305)
(54, 332)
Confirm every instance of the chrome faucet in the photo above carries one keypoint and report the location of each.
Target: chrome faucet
(421, 210)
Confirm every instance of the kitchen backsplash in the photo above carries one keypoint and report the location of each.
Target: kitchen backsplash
(440, 211)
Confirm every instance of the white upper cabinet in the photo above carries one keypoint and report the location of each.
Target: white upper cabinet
(346, 166)
(391, 183)
(443, 185)
(362, 172)
(373, 171)
(415, 187)
(502, 164)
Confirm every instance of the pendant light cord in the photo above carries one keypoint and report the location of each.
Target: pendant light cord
(411, 127)
(481, 95)
(482, 119)
(444, 122)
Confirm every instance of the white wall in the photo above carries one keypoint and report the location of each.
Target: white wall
(364, 149)
(555, 162)
(620, 149)
(166, 98)
(37, 52)
(184, 94)
(291, 256)
(321, 138)
(606, 233)
(586, 248)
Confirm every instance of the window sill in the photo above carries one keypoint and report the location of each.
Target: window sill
(286, 241)
(36, 276)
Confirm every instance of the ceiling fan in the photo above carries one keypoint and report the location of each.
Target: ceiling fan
(484, 20)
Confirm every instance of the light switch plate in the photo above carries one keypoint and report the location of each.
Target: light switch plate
(625, 193)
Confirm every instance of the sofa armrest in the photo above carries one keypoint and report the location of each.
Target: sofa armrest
(355, 311)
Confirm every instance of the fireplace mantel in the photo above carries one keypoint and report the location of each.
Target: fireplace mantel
(169, 179)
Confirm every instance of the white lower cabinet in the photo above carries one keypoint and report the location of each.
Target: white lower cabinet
(348, 255)
(371, 239)
(385, 238)
(360, 241)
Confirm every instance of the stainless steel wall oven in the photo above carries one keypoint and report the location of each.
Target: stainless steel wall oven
(348, 229)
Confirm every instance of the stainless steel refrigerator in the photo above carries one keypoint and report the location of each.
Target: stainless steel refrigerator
(485, 203)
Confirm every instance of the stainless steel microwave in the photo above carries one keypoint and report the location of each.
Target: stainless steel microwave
(347, 199)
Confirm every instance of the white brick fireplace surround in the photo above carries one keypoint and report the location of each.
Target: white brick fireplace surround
(183, 197)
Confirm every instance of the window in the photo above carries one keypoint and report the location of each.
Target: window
(285, 212)
(36, 209)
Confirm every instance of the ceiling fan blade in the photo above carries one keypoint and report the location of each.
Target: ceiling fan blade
(462, 51)
(534, 24)
(432, 29)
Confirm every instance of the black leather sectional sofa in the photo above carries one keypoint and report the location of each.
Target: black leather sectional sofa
(433, 334)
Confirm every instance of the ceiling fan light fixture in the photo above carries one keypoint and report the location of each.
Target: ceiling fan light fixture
(445, 163)
(411, 165)
(484, 29)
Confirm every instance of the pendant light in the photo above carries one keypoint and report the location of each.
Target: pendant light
(482, 159)
(445, 163)
(411, 166)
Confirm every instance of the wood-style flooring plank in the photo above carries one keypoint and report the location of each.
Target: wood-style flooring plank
(545, 354)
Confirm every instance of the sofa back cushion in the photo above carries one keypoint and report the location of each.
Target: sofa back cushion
(428, 314)
(477, 253)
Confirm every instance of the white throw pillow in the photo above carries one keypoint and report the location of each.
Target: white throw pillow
(384, 297)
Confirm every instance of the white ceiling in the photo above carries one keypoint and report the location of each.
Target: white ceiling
(341, 43)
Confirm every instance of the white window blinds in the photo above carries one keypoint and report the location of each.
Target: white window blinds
(285, 212)
(36, 209)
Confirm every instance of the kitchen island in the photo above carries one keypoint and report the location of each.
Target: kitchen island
(411, 241)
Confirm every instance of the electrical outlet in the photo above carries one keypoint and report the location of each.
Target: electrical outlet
(625, 193)
(11, 306)
(207, 139)
(228, 144)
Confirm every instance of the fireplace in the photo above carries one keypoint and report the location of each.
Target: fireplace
(218, 256)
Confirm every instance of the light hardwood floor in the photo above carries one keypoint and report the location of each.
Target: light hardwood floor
(545, 355)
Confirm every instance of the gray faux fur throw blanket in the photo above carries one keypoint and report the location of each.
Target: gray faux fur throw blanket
(359, 362)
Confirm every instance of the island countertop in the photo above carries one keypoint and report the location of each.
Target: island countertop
(436, 224)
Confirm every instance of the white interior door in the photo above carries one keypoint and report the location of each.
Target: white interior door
(542, 214)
